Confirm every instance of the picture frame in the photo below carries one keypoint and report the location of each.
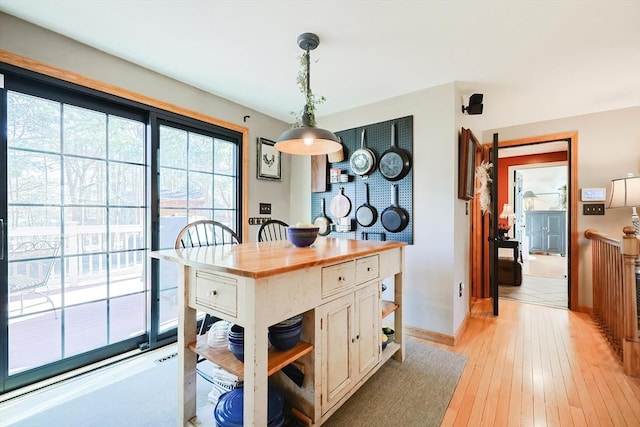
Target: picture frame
(268, 161)
(467, 144)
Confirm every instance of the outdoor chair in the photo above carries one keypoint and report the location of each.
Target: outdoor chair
(273, 229)
(31, 264)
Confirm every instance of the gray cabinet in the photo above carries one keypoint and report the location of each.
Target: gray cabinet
(547, 231)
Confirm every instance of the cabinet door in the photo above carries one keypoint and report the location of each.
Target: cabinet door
(555, 236)
(367, 342)
(536, 231)
(337, 359)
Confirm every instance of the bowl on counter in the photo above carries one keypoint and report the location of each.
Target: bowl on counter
(302, 237)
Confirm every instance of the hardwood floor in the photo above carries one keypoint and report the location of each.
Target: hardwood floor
(539, 366)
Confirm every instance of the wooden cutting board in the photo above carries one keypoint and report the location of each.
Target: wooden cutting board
(319, 173)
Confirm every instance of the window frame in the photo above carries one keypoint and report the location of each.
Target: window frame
(68, 87)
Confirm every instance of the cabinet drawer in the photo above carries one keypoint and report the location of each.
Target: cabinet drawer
(338, 278)
(216, 292)
(367, 268)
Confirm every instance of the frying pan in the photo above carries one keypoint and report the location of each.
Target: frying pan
(340, 205)
(322, 221)
(366, 215)
(362, 160)
(394, 218)
(395, 162)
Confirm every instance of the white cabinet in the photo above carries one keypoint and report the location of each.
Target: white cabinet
(350, 336)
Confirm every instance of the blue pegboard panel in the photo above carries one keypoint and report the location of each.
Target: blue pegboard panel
(378, 140)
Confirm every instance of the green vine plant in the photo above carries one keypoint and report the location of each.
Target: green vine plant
(311, 100)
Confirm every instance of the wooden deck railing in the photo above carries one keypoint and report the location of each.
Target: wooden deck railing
(615, 294)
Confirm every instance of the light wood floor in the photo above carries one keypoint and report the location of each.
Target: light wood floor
(539, 366)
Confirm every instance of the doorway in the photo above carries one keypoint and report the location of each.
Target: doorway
(539, 200)
(533, 146)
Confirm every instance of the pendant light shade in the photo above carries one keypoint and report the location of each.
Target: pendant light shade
(308, 139)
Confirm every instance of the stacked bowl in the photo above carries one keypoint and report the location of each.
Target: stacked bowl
(229, 409)
(286, 334)
(236, 341)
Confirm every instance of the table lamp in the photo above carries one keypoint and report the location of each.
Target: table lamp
(625, 193)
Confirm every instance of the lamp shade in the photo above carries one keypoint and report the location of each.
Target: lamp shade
(308, 140)
(507, 211)
(625, 192)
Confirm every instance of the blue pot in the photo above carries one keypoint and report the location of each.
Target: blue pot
(228, 410)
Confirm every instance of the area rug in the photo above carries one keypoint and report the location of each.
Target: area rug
(413, 393)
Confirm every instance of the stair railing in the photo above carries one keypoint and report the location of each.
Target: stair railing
(616, 299)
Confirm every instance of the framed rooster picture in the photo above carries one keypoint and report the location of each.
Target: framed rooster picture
(268, 160)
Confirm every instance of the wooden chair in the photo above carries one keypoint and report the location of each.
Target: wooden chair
(205, 232)
(31, 275)
(274, 229)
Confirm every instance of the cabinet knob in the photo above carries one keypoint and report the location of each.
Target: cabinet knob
(368, 268)
(339, 278)
(213, 293)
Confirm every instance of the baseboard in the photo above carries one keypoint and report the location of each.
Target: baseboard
(584, 309)
(461, 329)
(429, 335)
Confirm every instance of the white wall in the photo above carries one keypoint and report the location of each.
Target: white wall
(25, 39)
(608, 147)
(437, 260)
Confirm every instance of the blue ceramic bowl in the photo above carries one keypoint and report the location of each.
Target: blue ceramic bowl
(237, 350)
(292, 327)
(285, 340)
(302, 237)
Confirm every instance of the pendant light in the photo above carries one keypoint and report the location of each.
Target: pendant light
(308, 139)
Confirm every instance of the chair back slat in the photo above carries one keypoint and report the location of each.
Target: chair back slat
(274, 229)
(205, 233)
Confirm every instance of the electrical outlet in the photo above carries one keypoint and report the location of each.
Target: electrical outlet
(265, 208)
(593, 209)
(460, 288)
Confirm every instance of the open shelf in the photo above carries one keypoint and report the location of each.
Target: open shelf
(225, 359)
(389, 351)
(388, 307)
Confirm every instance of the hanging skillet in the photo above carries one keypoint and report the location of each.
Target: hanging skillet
(366, 215)
(394, 218)
(395, 162)
(322, 221)
(362, 160)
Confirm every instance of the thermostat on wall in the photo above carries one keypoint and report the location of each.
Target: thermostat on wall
(593, 194)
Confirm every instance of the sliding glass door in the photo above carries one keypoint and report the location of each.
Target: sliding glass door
(92, 185)
(198, 175)
(76, 236)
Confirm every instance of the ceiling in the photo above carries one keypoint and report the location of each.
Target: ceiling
(532, 60)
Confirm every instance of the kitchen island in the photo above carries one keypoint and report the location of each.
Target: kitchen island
(335, 284)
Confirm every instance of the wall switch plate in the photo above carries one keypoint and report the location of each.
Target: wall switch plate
(265, 208)
(593, 209)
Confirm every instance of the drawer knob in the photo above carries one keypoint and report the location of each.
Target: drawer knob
(340, 279)
(213, 293)
(368, 268)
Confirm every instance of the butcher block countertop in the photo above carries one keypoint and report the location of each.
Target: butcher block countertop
(264, 259)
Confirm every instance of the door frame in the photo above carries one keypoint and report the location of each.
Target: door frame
(480, 224)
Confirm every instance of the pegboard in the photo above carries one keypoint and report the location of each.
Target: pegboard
(378, 140)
